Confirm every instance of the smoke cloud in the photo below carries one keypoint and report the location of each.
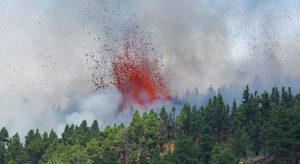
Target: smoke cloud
(225, 45)
(46, 79)
(24, 115)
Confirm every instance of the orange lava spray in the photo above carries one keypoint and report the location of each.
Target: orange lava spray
(138, 78)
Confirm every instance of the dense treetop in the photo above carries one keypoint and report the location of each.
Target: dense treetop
(262, 128)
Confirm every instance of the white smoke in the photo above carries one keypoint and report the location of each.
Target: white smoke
(225, 44)
(103, 107)
(25, 115)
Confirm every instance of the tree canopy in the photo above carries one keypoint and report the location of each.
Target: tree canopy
(261, 128)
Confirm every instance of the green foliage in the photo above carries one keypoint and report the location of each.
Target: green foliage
(94, 129)
(223, 154)
(4, 139)
(16, 152)
(240, 143)
(261, 126)
(70, 154)
(93, 150)
(34, 146)
(183, 121)
(163, 126)
(283, 133)
(185, 152)
(135, 128)
(114, 140)
(206, 144)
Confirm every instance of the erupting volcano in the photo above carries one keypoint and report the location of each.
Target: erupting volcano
(138, 78)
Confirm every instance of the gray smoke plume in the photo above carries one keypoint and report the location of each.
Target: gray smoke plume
(218, 44)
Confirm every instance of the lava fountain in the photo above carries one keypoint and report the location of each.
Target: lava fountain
(138, 78)
(133, 64)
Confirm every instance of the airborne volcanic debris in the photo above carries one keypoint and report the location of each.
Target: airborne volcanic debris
(138, 79)
(135, 67)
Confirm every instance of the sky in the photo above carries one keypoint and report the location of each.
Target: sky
(45, 73)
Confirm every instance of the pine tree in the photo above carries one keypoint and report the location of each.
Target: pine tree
(240, 139)
(67, 134)
(34, 146)
(3, 144)
(195, 123)
(206, 144)
(94, 129)
(265, 116)
(185, 152)
(70, 154)
(275, 97)
(172, 125)
(234, 107)
(183, 121)
(93, 150)
(283, 134)
(223, 154)
(52, 136)
(16, 152)
(246, 95)
(220, 120)
(163, 127)
(82, 134)
(151, 131)
(135, 128)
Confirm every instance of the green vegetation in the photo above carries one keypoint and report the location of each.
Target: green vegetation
(263, 128)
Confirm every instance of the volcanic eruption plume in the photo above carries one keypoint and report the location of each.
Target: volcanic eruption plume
(136, 70)
(137, 78)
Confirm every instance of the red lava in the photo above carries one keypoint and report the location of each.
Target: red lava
(137, 78)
